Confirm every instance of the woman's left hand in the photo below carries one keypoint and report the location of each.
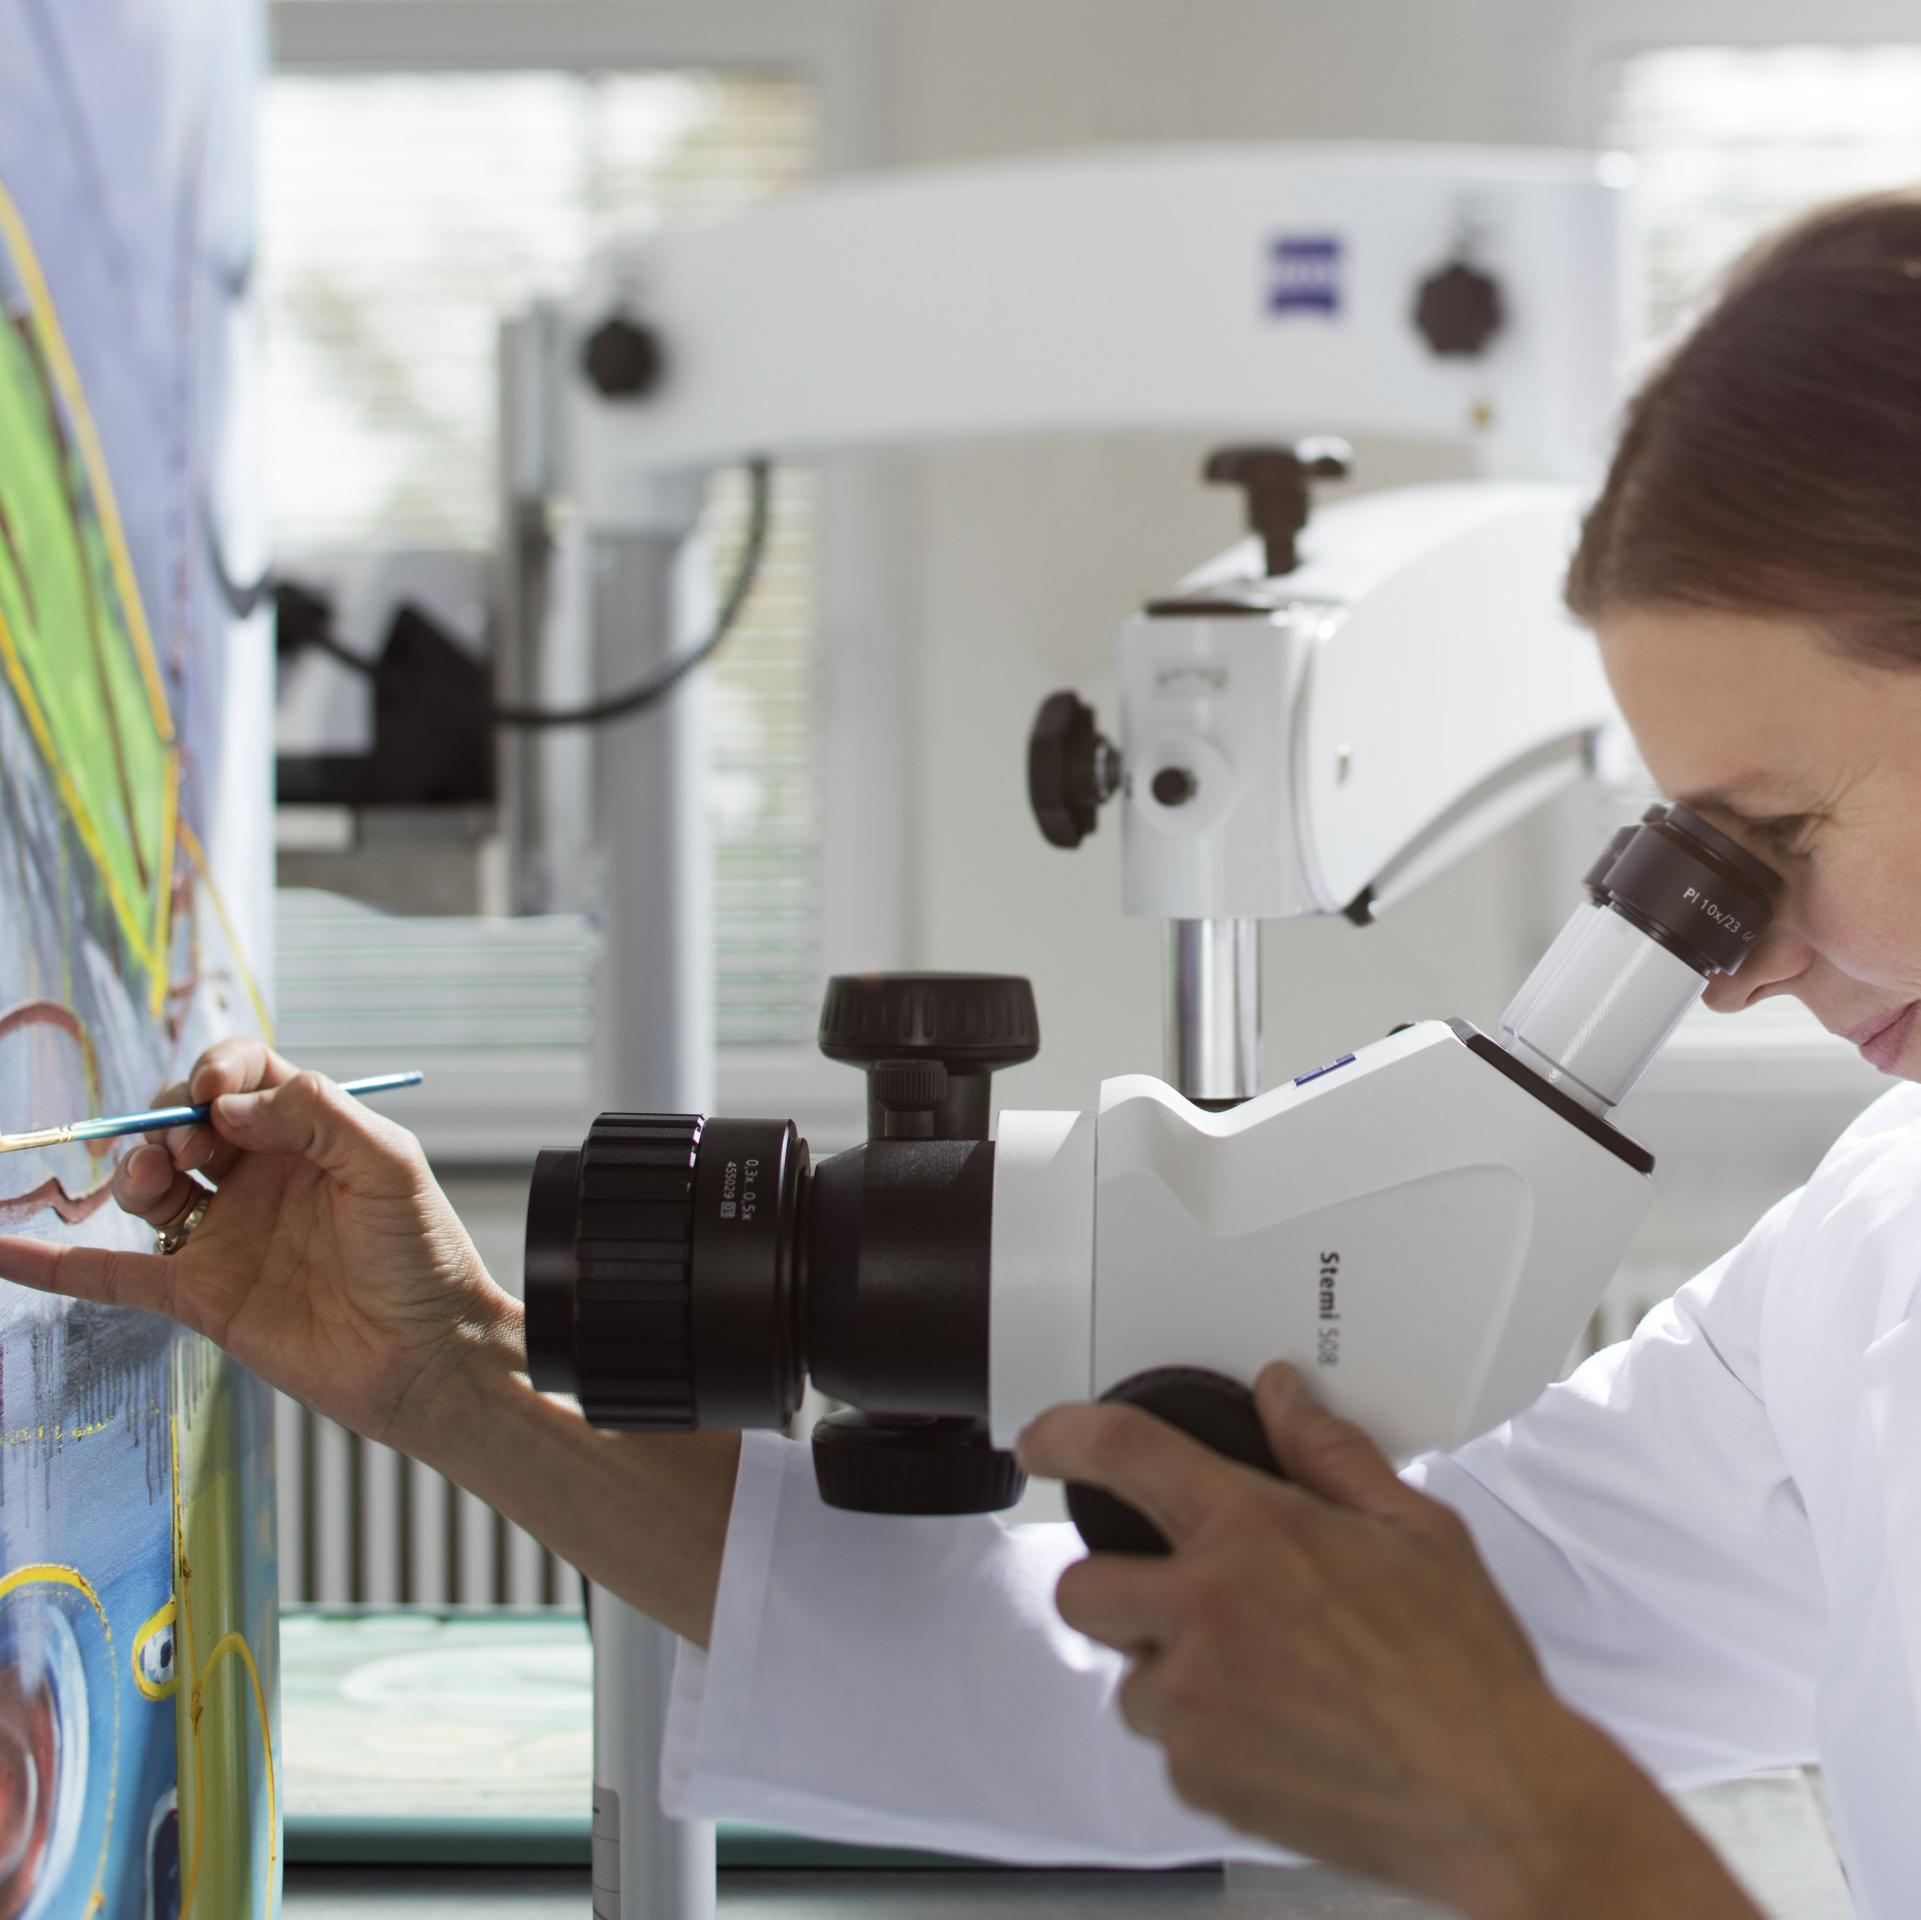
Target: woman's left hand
(1327, 1664)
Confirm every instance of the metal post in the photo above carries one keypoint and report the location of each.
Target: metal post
(654, 1043)
(1213, 1013)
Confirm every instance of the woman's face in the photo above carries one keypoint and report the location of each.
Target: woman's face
(1813, 762)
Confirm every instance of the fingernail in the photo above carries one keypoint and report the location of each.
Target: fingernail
(149, 1167)
(238, 1109)
(1281, 1382)
(204, 1084)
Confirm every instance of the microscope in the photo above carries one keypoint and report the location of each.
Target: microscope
(1422, 1225)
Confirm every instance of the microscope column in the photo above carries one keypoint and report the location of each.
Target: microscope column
(654, 1028)
(1213, 1016)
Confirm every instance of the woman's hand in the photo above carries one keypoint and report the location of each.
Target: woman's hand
(328, 1261)
(1328, 1665)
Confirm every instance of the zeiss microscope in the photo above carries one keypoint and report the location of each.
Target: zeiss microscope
(1423, 1225)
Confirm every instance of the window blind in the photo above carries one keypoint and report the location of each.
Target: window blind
(401, 216)
(1730, 142)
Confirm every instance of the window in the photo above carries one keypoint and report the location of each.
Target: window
(402, 214)
(1729, 142)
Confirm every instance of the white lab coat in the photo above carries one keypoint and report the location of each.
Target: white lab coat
(1712, 1531)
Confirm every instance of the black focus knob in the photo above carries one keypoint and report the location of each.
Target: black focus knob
(869, 1464)
(1217, 1411)
(1072, 769)
(1459, 310)
(968, 1024)
(1275, 480)
(623, 359)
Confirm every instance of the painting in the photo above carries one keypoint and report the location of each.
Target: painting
(138, 1630)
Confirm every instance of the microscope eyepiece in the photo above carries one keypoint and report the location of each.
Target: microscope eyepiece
(1691, 888)
(1671, 902)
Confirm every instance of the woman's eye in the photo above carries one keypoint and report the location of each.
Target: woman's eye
(1786, 834)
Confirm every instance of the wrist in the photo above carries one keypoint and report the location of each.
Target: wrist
(1584, 1832)
(475, 1371)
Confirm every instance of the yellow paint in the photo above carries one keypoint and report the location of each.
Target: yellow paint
(197, 1681)
(137, 935)
(170, 823)
(155, 1623)
(198, 855)
(48, 1574)
(59, 1435)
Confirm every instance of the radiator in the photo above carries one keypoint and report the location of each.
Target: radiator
(362, 1525)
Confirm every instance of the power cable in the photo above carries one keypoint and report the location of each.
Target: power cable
(310, 630)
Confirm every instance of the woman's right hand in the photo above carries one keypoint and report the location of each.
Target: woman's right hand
(328, 1261)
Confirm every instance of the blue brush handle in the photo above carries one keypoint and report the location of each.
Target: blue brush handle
(158, 1119)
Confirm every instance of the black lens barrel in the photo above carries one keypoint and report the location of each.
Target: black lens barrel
(615, 1236)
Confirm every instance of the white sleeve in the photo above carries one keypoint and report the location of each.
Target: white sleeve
(1641, 1520)
(908, 1683)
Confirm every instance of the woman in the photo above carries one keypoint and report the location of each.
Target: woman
(1711, 1533)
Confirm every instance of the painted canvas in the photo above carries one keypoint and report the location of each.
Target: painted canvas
(138, 1669)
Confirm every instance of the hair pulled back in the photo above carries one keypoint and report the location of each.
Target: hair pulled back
(1772, 464)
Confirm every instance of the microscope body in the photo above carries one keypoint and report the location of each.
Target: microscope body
(1419, 1229)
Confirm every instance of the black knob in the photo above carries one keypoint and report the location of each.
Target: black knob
(1174, 786)
(623, 359)
(1275, 480)
(1459, 310)
(1071, 770)
(1217, 1411)
(967, 1023)
(870, 1464)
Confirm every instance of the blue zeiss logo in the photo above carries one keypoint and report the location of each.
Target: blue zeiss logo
(1304, 274)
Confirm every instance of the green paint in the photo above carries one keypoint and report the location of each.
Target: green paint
(73, 637)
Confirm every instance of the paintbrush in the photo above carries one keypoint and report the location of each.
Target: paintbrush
(158, 1119)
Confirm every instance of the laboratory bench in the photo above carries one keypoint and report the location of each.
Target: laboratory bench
(436, 1764)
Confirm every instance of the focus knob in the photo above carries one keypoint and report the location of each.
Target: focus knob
(897, 1465)
(1459, 310)
(623, 359)
(1215, 1410)
(968, 1024)
(1072, 769)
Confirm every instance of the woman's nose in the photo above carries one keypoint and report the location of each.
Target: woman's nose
(1774, 963)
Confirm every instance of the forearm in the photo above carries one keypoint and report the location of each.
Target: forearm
(643, 1515)
(1598, 1840)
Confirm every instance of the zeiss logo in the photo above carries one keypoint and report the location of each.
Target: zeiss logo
(1304, 275)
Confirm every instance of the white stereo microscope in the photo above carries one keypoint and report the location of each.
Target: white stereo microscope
(1315, 724)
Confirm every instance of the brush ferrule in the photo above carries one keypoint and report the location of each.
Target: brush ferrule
(25, 1142)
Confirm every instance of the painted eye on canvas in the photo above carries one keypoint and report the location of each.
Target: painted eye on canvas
(153, 1655)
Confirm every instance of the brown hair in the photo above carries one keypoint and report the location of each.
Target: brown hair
(1772, 464)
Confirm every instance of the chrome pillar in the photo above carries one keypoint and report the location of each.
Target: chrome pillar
(1213, 1013)
(654, 1047)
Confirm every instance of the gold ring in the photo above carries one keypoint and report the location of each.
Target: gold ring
(174, 1235)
